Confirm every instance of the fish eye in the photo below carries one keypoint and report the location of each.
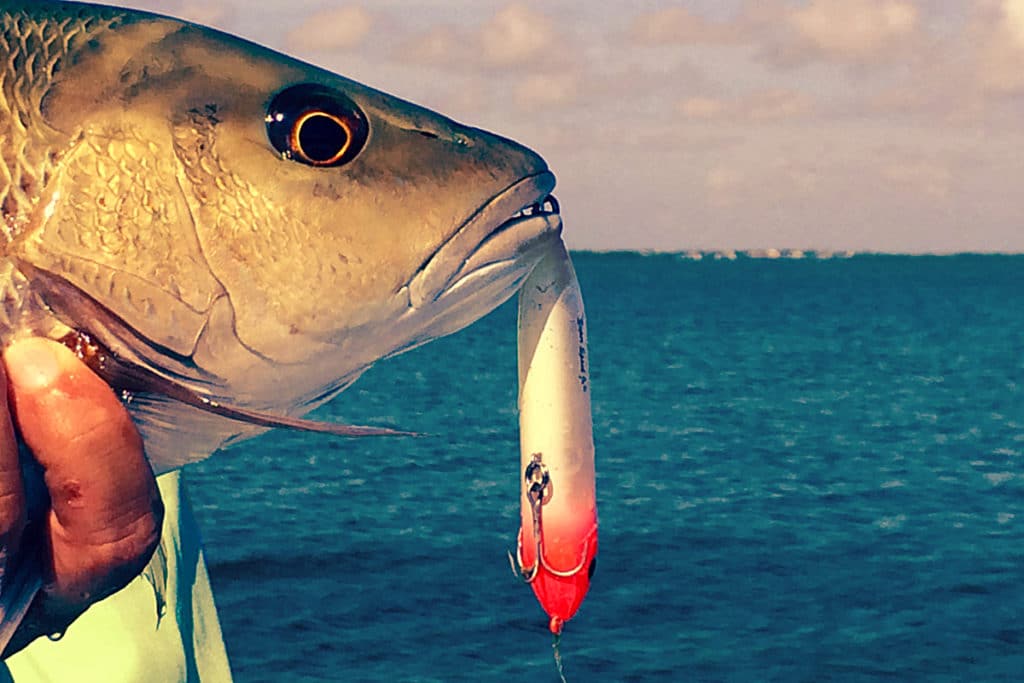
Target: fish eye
(316, 125)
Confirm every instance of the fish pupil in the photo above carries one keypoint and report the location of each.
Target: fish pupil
(322, 139)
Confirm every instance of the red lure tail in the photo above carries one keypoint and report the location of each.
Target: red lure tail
(559, 567)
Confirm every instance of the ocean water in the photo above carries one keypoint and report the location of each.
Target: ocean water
(807, 471)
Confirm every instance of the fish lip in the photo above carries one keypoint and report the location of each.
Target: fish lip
(503, 230)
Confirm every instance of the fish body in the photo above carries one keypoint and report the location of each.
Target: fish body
(235, 224)
(235, 236)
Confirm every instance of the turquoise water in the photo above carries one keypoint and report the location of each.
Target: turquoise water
(808, 471)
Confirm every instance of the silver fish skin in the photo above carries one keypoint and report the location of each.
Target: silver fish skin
(186, 199)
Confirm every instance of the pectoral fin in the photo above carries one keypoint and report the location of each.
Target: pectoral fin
(128, 377)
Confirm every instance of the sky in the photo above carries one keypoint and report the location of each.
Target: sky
(866, 125)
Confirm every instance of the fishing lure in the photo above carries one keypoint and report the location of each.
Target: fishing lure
(557, 545)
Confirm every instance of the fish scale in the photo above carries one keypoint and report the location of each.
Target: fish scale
(34, 47)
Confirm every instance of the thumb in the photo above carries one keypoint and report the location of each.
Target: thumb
(106, 512)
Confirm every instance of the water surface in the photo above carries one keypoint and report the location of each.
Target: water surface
(807, 471)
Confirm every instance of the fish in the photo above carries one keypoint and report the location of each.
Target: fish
(227, 223)
(231, 237)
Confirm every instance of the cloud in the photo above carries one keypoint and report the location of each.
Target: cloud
(859, 31)
(438, 46)
(853, 33)
(707, 108)
(758, 107)
(332, 30)
(928, 178)
(784, 34)
(999, 32)
(1013, 20)
(516, 35)
(966, 75)
(723, 185)
(678, 25)
(784, 175)
(960, 67)
(547, 90)
(776, 105)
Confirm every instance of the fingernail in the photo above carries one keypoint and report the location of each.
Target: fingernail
(32, 363)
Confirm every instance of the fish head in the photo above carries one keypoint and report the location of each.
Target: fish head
(260, 230)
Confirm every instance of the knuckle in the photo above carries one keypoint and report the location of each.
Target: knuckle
(116, 564)
(102, 562)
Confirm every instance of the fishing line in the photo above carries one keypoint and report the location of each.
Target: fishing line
(558, 656)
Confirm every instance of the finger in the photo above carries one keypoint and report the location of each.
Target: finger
(106, 511)
(12, 491)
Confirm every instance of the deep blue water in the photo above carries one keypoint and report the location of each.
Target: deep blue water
(808, 471)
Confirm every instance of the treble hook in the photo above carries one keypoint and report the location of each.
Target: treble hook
(539, 493)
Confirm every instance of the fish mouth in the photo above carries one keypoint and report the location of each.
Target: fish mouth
(495, 248)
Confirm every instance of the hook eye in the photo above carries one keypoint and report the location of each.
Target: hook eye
(538, 480)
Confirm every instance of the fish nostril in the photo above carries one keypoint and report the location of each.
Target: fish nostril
(456, 138)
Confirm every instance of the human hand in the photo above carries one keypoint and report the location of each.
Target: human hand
(105, 514)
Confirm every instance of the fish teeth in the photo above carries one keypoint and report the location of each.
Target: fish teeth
(548, 205)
